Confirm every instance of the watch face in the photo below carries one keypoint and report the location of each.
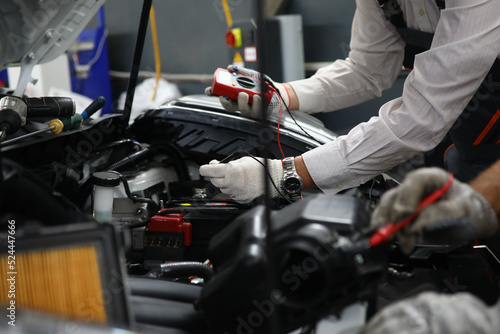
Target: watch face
(292, 184)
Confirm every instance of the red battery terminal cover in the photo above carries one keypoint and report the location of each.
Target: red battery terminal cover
(172, 222)
(230, 84)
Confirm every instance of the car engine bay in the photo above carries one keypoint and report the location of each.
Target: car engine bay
(169, 252)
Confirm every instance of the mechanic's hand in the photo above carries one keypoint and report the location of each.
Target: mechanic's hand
(253, 110)
(243, 179)
(433, 313)
(460, 215)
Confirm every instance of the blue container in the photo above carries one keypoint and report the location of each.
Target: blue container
(4, 78)
(90, 66)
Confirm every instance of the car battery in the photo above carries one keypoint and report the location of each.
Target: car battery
(182, 230)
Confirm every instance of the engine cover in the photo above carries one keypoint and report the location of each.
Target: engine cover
(200, 127)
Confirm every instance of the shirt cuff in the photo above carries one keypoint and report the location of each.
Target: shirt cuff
(328, 169)
(307, 92)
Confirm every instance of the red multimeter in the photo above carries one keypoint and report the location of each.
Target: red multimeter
(230, 84)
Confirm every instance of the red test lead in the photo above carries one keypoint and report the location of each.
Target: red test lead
(383, 234)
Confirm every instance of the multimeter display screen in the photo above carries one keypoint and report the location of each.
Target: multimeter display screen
(225, 77)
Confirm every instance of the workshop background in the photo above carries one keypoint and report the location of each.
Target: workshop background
(191, 36)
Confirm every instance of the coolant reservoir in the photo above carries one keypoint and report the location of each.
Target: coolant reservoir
(104, 184)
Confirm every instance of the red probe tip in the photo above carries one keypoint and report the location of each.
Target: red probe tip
(383, 233)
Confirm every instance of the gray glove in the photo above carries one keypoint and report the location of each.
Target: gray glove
(243, 179)
(459, 215)
(432, 313)
(253, 110)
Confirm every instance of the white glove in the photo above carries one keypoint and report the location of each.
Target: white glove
(461, 214)
(253, 110)
(432, 313)
(243, 179)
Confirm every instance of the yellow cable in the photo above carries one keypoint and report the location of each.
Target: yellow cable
(156, 50)
(227, 13)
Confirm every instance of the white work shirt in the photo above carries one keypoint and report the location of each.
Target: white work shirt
(465, 45)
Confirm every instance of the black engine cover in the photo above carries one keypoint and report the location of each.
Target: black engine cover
(200, 128)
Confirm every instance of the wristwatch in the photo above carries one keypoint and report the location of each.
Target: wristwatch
(292, 182)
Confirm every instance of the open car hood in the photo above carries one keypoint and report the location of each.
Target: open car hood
(37, 31)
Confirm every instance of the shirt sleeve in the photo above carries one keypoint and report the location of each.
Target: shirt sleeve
(444, 79)
(374, 62)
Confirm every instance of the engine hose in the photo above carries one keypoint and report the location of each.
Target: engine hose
(133, 197)
(116, 144)
(169, 150)
(171, 316)
(177, 158)
(162, 289)
(130, 159)
(182, 269)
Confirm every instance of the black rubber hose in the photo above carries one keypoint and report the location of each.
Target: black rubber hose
(182, 269)
(178, 161)
(169, 150)
(116, 144)
(133, 197)
(162, 289)
(132, 158)
(158, 312)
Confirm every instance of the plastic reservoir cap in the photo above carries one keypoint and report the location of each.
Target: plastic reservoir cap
(106, 179)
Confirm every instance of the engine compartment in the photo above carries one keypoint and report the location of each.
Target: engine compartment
(183, 246)
(158, 158)
(165, 212)
(177, 255)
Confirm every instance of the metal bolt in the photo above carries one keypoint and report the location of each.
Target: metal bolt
(138, 212)
(49, 34)
(359, 259)
(31, 55)
(200, 193)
